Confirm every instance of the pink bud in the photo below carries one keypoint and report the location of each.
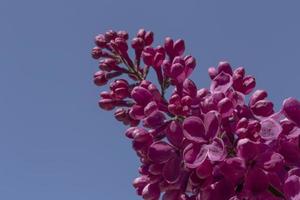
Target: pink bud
(166, 66)
(225, 67)
(107, 104)
(151, 192)
(123, 34)
(100, 41)
(190, 64)
(96, 52)
(141, 33)
(150, 108)
(291, 108)
(249, 84)
(239, 71)
(110, 35)
(263, 108)
(148, 55)
(148, 38)
(141, 95)
(137, 43)
(100, 78)
(257, 96)
(154, 120)
(225, 107)
(174, 133)
(212, 72)
(190, 88)
(121, 44)
(169, 46)
(160, 152)
(176, 70)
(120, 114)
(179, 47)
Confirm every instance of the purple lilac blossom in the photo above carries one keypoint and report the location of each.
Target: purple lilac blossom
(197, 143)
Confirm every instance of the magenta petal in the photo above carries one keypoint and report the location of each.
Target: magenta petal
(290, 152)
(295, 171)
(234, 168)
(219, 190)
(221, 83)
(174, 133)
(194, 155)
(171, 195)
(151, 192)
(292, 187)
(171, 170)
(211, 123)
(205, 169)
(270, 161)
(216, 150)
(155, 169)
(193, 129)
(294, 133)
(160, 152)
(139, 184)
(248, 149)
(291, 108)
(256, 181)
(270, 129)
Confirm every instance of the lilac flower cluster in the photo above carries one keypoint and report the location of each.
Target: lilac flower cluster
(198, 143)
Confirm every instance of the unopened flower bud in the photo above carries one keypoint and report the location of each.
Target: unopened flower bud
(212, 72)
(123, 34)
(107, 104)
(96, 53)
(137, 43)
(249, 84)
(141, 95)
(291, 108)
(263, 108)
(225, 67)
(225, 107)
(179, 47)
(121, 44)
(240, 71)
(100, 78)
(169, 46)
(100, 41)
(148, 38)
(190, 64)
(110, 35)
(141, 33)
(120, 114)
(148, 55)
(257, 96)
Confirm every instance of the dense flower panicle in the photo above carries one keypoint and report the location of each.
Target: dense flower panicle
(197, 143)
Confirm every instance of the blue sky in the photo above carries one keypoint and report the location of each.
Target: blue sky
(54, 141)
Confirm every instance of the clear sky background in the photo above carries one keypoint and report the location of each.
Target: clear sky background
(55, 144)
